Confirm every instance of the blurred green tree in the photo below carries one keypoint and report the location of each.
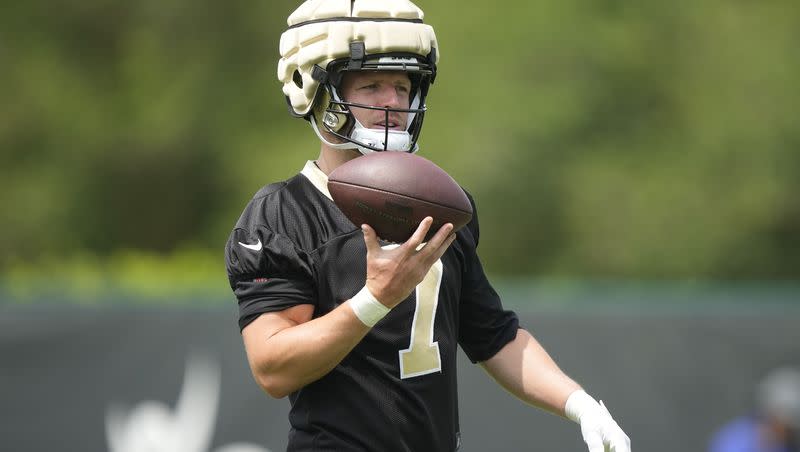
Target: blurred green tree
(601, 139)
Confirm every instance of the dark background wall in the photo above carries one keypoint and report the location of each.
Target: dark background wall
(670, 375)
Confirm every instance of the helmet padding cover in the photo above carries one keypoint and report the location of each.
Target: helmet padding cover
(321, 31)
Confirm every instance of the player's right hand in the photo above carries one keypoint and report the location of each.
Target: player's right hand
(394, 271)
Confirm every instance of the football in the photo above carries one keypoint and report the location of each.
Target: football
(394, 191)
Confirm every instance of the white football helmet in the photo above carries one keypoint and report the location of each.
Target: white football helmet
(327, 38)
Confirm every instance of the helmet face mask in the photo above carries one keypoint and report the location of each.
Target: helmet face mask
(367, 140)
(328, 39)
(337, 117)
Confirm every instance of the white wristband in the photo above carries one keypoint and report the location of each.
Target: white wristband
(367, 308)
(579, 402)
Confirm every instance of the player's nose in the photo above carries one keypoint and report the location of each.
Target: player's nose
(390, 97)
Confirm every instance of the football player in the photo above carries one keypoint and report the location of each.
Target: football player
(362, 337)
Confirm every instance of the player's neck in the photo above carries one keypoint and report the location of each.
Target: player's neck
(329, 159)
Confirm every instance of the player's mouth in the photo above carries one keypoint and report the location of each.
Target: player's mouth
(391, 125)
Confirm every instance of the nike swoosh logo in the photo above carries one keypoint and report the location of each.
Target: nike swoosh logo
(256, 247)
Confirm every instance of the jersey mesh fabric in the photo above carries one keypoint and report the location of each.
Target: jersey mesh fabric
(312, 254)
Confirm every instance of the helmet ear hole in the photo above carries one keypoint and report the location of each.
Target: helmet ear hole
(297, 78)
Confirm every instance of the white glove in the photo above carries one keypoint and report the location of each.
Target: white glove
(600, 432)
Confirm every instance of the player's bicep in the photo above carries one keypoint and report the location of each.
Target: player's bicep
(270, 323)
(257, 333)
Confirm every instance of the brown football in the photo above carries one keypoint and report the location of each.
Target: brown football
(394, 191)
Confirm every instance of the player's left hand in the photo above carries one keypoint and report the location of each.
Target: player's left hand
(600, 431)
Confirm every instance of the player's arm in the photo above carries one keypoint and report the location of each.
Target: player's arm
(525, 369)
(288, 349)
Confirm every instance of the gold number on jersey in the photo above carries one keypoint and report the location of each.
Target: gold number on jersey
(422, 355)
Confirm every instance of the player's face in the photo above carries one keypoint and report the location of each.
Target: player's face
(378, 89)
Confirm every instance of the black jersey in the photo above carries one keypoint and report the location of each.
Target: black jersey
(396, 390)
